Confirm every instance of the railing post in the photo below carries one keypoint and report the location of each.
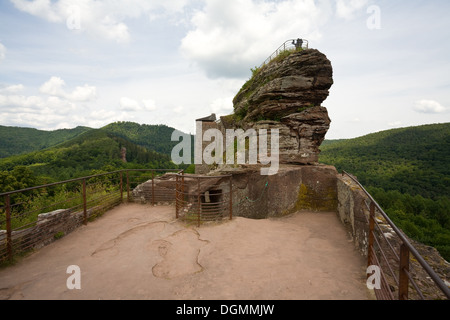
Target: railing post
(231, 199)
(199, 202)
(183, 197)
(128, 186)
(403, 273)
(182, 187)
(176, 197)
(84, 203)
(371, 234)
(8, 228)
(153, 188)
(121, 186)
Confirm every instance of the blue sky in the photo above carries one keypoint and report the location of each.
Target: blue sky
(68, 63)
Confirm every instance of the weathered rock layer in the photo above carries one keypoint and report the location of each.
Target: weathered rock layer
(287, 95)
(287, 86)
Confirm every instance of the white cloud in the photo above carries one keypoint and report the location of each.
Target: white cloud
(42, 8)
(2, 52)
(395, 124)
(347, 9)
(178, 110)
(149, 105)
(52, 110)
(230, 37)
(222, 106)
(128, 104)
(55, 87)
(13, 88)
(105, 19)
(54, 113)
(84, 93)
(96, 18)
(35, 104)
(429, 106)
(20, 101)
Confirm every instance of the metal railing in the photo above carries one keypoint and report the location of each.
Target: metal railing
(398, 260)
(203, 198)
(289, 45)
(33, 217)
(143, 187)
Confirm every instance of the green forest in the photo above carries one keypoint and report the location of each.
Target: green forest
(407, 171)
(83, 152)
(151, 137)
(16, 140)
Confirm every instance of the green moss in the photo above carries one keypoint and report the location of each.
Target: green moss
(240, 114)
(309, 199)
(58, 235)
(256, 71)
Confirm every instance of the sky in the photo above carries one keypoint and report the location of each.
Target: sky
(68, 63)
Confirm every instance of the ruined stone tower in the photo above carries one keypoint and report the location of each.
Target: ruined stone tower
(205, 123)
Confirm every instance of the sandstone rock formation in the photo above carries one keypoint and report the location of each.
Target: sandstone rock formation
(287, 95)
(286, 86)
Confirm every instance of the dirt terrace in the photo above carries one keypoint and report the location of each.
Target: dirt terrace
(141, 252)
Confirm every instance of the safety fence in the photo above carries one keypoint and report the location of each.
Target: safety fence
(399, 267)
(203, 198)
(33, 217)
(289, 45)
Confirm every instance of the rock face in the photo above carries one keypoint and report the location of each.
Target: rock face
(284, 87)
(287, 95)
(301, 135)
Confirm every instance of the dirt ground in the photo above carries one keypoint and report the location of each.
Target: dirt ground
(141, 252)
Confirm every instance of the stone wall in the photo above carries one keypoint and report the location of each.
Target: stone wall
(49, 227)
(353, 211)
(292, 189)
(354, 214)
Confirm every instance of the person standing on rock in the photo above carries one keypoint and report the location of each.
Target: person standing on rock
(299, 43)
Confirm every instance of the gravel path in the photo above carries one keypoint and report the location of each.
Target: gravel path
(141, 252)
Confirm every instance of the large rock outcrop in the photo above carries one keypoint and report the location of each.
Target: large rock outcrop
(285, 86)
(287, 95)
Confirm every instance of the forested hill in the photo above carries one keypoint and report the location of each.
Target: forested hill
(411, 160)
(407, 171)
(82, 151)
(90, 151)
(16, 140)
(151, 137)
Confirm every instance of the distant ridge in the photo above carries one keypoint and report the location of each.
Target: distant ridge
(68, 153)
(18, 140)
(412, 160)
